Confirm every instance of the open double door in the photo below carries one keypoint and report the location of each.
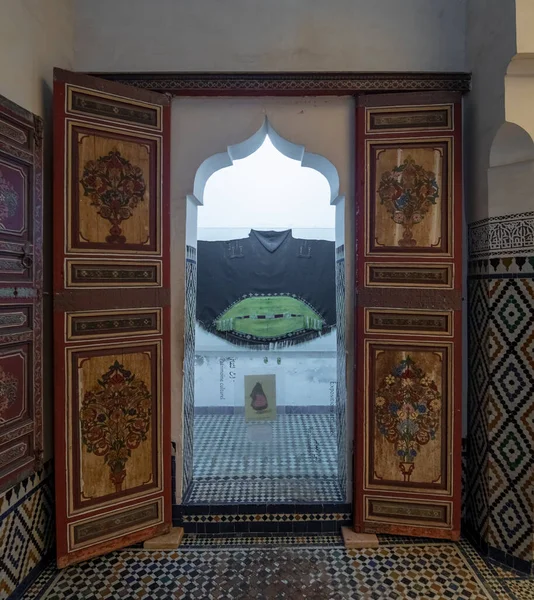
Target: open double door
(112, 315)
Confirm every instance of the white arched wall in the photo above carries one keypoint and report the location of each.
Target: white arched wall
(207, 127)
(500, 210)
(511, 172)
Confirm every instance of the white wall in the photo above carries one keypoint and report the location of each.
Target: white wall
(285, 35)
(35, 37)
(202, 127)
(490, 45)
(302, 378)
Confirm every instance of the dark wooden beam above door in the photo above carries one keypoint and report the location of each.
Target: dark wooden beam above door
(291, 84)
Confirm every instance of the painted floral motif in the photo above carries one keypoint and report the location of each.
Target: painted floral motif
(8, 391)
(9, 200)
(408, 192)
(115, 419)
(407, 408)
(115, 187)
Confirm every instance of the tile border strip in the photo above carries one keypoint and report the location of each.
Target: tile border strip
(506, 235)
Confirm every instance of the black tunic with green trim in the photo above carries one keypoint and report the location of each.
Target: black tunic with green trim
(267, 288)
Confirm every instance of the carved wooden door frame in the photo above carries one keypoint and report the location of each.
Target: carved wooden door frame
(356, 85)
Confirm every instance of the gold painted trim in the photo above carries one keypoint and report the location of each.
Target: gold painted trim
(113, 97)
(393, 110)
(69, 403)
(403, 142)
(449, 490)
(449, 314)
(158, 186)
(402, 502)
(110, 263)
(72, 546)
(70, 316)
(417, 266)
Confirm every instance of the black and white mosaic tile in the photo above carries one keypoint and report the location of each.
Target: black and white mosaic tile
(295, 462)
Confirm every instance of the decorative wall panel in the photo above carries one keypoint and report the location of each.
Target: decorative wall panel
(500, 479)
(111, 284)
(341, 386)
(425, 275)
(189, 365)
(408, 322)
(388, 120)
(20, 293)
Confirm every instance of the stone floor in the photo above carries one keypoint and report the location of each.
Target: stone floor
(317, 568)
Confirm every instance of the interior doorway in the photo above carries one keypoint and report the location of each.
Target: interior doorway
(265, 379)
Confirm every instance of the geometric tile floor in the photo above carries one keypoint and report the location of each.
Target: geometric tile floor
(291, 459)
(319, 569)
(262, 489)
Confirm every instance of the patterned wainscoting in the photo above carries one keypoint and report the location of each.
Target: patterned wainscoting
(26, 532)
(500, 476)
(341, 387)
(189, 364)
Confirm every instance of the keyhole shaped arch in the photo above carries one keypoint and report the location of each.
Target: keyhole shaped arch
(246, 148)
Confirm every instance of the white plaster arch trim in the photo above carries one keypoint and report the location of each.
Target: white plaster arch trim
(244, 149)
(511, 145)
(518, 92)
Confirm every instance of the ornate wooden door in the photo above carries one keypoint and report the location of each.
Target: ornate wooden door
(21, 273)
(409, 281)
(111, 315)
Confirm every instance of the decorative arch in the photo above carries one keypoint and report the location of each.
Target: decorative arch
(244, 149)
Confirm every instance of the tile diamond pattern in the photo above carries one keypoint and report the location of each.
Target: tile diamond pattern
(511, 448)
(500, 474)
(395, 572)
(26, 537)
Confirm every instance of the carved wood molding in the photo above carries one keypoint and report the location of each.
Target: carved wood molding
(291, 83)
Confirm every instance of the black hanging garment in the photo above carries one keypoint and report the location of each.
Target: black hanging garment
(267, 288)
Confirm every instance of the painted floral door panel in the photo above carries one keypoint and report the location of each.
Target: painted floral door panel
(111, 305)
(408, 315)
(409, 188)
(112, 203)
(409, 413)
(20, 293)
